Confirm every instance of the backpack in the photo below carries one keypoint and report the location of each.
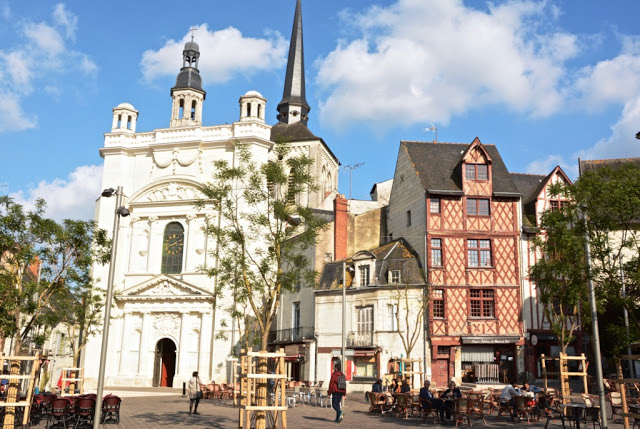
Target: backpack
(342, 383)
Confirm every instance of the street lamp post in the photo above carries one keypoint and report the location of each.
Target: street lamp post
(120, 211)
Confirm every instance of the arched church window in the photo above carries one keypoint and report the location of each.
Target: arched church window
(259, 111)
(181, 112)
(129, 122)
(119, 121)
(193, 109)
(325, 185)
(329, 182)
(172, 248)
(249, 109)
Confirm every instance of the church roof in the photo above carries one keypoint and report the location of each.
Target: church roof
(298, 131)
(438, 167)
(294, 86)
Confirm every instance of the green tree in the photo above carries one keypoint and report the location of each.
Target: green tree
(41, 261)
(264, 228)
(604, 211)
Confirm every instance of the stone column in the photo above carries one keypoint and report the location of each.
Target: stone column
(209, 218)
(187, 241)
(125, 322)
(151, 220)
(145, 334)
(134, 220)
(182, 349)
(203, 348)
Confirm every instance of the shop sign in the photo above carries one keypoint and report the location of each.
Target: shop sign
(490, 340)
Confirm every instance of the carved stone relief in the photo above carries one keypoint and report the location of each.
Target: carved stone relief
(172, 191)
(166, 325)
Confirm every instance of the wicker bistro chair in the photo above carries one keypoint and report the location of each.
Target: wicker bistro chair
(110, 409)
(85, 409)
(461, 411)
(522, 408)
(615, 400)
(377, 402)
(403, 403)
(476, 405)
(428, 410)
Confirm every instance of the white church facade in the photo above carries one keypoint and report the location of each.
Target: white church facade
(165, 323)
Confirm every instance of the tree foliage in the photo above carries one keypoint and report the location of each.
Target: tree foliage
(605, 211)
(265, 228)
(43, 264)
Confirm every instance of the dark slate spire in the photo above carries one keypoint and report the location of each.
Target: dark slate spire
(293, 107)
(189, 76)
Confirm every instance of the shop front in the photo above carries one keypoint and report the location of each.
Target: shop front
(489, 360)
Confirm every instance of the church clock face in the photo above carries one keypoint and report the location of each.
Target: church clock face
(173, 244)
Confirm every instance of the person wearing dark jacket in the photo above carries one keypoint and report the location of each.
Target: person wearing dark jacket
(377, 386)
(336, 393)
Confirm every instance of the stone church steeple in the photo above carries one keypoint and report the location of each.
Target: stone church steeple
(187, 93)
(294, 107)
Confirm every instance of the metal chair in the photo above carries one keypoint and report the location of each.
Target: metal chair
(85, 409)
(615, 399)
(110, 409)
(59, 412)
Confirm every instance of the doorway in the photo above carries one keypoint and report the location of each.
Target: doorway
(164, 366)
(441, 376)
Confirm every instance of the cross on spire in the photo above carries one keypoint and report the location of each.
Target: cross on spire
(192, 29)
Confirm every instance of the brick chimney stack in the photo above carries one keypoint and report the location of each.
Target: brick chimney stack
(341, 218)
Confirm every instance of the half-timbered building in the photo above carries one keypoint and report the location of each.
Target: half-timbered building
(458, 207)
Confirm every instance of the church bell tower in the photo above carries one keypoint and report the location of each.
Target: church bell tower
(187, 93)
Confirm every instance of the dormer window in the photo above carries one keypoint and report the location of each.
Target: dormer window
(364, 275)
(476, 171)
(394, 277)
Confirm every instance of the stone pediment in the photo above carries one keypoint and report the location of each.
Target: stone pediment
(164, 288)
(172, 191)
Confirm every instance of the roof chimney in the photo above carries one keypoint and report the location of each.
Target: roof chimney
(341, 218)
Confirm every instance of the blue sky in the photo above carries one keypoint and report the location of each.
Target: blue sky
(545, 81)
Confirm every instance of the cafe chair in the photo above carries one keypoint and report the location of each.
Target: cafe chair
(461, 411)
(85, 409)
(110, 409)
(522, 408)
(59, 413)
(428, 410)
(615, 400)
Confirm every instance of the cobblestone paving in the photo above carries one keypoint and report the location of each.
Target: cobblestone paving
(171, 411)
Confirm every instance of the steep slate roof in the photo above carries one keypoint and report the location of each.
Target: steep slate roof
(296, 132)
(395, 255)
(530, 185)
(439, 167)
(595, 164)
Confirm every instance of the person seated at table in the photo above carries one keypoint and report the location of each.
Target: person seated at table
(377, 386)
(427, 395)
(394, 387)
(405, 388)
(452, 392)
(508, 397)
(449, 396)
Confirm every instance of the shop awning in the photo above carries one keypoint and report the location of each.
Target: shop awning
(477, 354)
(291, 358)
(479, 339)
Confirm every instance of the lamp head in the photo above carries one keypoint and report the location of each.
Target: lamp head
(108, 192)
(123, 211)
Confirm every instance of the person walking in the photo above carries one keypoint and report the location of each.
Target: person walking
(337, 390)
(194, 389)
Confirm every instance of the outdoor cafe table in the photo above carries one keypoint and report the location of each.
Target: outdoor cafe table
(574, 412)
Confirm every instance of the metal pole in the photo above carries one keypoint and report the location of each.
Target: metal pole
(594, 327)
(344, 312)
(107, 311)
(626, 320)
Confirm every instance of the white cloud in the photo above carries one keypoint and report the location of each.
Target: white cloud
(609, 81)
(416, 61)
(65, 19)
(49, 57)
(622, 142)
(70, 198)
(224, 53)
(12, 117)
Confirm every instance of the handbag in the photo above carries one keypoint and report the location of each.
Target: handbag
(198, 390)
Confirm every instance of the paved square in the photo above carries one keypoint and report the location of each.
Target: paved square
(168, 410)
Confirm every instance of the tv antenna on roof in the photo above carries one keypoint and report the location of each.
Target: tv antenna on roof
(434, 129)
(351, 168)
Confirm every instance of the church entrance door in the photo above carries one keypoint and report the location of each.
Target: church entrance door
(164, 367)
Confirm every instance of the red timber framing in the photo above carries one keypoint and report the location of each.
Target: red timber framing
(457, 278)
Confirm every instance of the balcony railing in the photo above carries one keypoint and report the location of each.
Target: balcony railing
(293, 335)
(360, 339)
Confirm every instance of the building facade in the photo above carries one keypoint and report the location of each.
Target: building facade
(165, 321)
(457, 206)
